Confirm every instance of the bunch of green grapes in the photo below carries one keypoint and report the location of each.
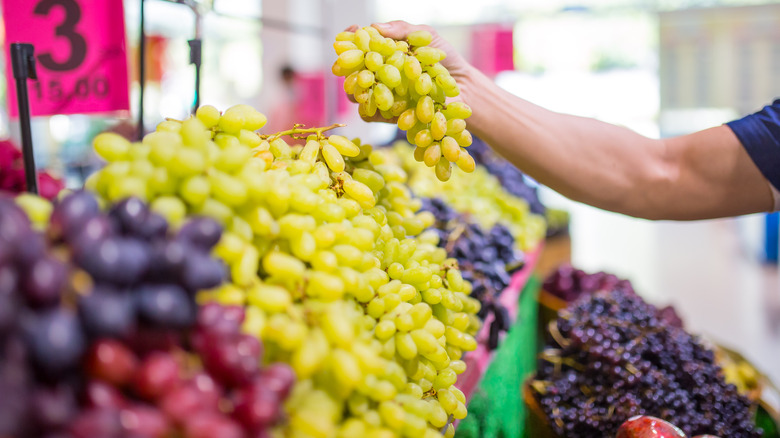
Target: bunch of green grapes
(405, 79)
(328, 256)
(479, 194)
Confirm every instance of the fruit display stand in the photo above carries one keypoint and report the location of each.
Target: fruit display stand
(492, 379)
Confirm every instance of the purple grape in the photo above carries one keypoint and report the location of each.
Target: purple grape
(14, 224)
(153, 227)
(69, 215)
(101, 261)
(202, 271)
(136, 256)
(167, 259)
(165, 305)
(94, 230)
(105, 312)
(45, 281)
(130, 214)
(9, 310)
(53, 408)
(116, 260)
(55, 339)
(13, 408)
(203, 232)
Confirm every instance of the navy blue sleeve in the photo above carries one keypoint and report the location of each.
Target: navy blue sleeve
(759, 133)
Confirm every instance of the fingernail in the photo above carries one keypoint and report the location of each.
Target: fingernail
(381, 25)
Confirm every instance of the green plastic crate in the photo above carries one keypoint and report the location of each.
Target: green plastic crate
(496, 409)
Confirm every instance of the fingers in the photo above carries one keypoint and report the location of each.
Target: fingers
(352, 28)
(398, 29)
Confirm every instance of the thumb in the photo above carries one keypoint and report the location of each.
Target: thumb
(397, 30)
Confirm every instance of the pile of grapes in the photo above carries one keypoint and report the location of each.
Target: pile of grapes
(404, 79)
(569, 284)
(479, 195)
(12, 174)
(486, 258)
(613, 358)
(322, 244)
(100, 334)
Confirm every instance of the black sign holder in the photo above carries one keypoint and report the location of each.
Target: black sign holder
(23, 65)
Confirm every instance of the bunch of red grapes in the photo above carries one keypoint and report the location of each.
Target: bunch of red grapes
(12, 174)
(100, 334)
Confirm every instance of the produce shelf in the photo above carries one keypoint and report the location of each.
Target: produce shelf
(478, 361)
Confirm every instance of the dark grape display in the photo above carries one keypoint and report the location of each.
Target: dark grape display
(487, 259)
(100, 334)
(612, 358)
(512, 179)
(569, 283)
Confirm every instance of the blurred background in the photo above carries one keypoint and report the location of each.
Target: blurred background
(660, 67)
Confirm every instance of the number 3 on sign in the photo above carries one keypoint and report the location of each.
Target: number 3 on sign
(81, 52)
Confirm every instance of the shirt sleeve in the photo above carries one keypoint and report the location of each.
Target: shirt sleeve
(759, 134)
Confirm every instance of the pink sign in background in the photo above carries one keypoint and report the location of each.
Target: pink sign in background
(492, 48)
(80, 53)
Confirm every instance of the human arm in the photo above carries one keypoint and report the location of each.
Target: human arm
(701, 175)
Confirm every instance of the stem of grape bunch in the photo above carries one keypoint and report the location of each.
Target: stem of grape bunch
(299, 131)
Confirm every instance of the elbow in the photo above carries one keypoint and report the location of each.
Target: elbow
(655, 182)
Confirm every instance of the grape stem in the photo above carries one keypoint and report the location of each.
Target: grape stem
(299, 130)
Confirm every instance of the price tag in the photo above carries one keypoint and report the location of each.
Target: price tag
(80, 53)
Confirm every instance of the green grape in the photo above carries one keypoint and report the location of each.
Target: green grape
(364, 79)
(351, 82)
(438, 126)
(450, 149)
(463, 138)
(111, 147)
(432, 155)
(350, 59)
(419, 38)
(170, 207)
(373, 61)
(383, 97)
(342, 46)
(423, 84)
(425, 110)
(389, 75)
(423, 138)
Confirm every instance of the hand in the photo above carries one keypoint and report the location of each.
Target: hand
(454, 62)
(457, 66)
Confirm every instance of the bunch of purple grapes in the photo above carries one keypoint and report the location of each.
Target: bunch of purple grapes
(100, 335)
(613, 358)
(512, 179)
(568, 283)
(486, 258)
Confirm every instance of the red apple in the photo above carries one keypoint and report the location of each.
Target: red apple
(643, 426)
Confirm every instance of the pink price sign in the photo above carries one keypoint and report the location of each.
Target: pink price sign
(80, 54)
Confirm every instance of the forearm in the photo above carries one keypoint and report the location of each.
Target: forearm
(614, 168)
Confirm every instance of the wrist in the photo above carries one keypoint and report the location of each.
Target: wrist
(475, 88)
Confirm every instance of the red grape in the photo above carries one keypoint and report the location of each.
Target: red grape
(145, 421)
(111, 361)
(157, 375)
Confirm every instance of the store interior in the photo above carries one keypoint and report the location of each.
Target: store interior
(661, 68)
